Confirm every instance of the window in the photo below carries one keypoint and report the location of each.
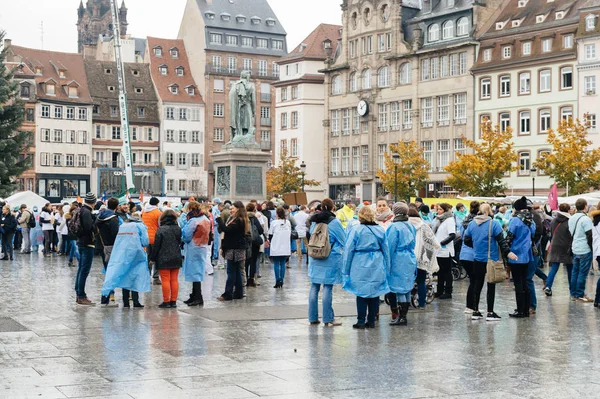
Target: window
(182, 136)
(335, 159)
(506, 52)
(428, 153)
(590, 120)
(355, 160)
(231, 64)
(443, 110)
(262, 68)
(370, 44)
(83, 136)
(345, 160)
(407, 114)
(216, 38)
(487, 55)
(462, 27)
(158, 51)
(524, 83)
(183, 114)
(459, 147)
(460, 108)
(216, 63)
(395, 115)
(448, 30)
(589, 83)
(196, 159)
(44, 161)
(365, 158)
(545, 80)
(73, 92)
(524, 162)
(381, 43)
(568, 41)
(462, 63)
(353, 82)
(219, 86)
(170, 184)
(366, 79)
(443, 154)
(29, 114)
(294, 147)
(163, 70)
(382, 120)
(566, 113)
(25, 90)
(262, 43)
(566, 78)
(195, 136)
(544, 120)
(50, 89)
(182, 159)
(504, 86)
(58, 112)
(174, 89)
(406, 73)
(525, 122)
(383, 76)
(81, 161)
(284, 120)
(425, 69)
(434, 67)
(433, 33)
(116, 133)
(82, 114)
(45, 111)
(504, 121)
(141, 112)
(218, 134)
(277, 44)
(526, 48)
(247, 41)
(170, 136)
(219, 110)
(178, 71)
(56, 158)
(590, 51)
(427, 114)
(541, 155)
(590, 22)
(45, 135)
(182, 185)
(231, 40)
(335, 122)
(546, 45)
(57, 137)
(345, 121)
(381, 150)
(336, 85)
(265, 112)
(486, 88)
(247, 64)
(355, 121)
(170, 113)
(134, 135)
(114, 111)
(453, 64)
(70, 113)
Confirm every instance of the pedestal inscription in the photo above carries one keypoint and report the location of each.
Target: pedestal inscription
(248, 180)
(223, 180)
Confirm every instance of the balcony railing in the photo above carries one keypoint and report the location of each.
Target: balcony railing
(224, 70)
(265, 121)
(265, 145)
(265, 97)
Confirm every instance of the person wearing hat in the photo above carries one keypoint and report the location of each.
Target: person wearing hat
(521, 230)
(24, 219)
(122, 210)
(346, 214)
(150, 217)
(85, 243)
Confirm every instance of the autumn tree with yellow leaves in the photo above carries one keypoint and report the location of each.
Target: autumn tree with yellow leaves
(286, 177)
(411, 166)
(480, 171)
(571, 161)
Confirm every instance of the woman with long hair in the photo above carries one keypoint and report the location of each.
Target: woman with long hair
(234, 246)
(166, 254)
(444, 228)
(280, 236)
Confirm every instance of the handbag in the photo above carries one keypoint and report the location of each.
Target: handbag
(294, 235)
(495, 269)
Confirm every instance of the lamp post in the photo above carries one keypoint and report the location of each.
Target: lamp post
(396, 158)
(303, 169)
(533, 174)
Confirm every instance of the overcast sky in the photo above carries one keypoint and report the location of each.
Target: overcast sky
(22, 20)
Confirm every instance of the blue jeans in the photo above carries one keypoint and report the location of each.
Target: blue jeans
(554, 269)
(313, 303)
(85, 265)
(531, 269)
(279, 267)
(421, 287)
(216, 245)
(362, 304)
(233, 285)
(73, 251)
(403, 298)
(581, 269)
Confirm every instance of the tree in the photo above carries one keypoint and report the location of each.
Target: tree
(480, 172)
(12, 142)
(286, 177)
(411, 166)
(571, 161)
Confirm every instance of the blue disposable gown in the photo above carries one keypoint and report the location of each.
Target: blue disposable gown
(195, 237)
(522, 240)
(128, 264)
(401, 239)
(366, 260)
(329, 270)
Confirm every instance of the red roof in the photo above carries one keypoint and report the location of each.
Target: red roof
(312, 46)
(164, 82)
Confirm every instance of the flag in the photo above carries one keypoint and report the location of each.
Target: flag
(553, 197)
(103, 199)
(141, 195)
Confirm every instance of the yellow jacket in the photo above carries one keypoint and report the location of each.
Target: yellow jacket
(345, 215)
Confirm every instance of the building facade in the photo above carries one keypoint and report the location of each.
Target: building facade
(223, 38)
(300, 104)
(526, 80)
(107, 140)
(63, 122)
(400, 73)
(95, 21)
(588, 69)
(181, 111)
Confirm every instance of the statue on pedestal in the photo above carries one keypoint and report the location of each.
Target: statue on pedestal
(242, 105)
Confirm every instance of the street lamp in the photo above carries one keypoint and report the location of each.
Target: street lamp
(533, 174)
(396, 158)
(303, 169)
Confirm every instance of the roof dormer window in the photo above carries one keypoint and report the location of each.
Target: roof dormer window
(590, 22)
(270, 22)
(73, 91)
(559, 15)
(111, 89)
(540, 18)
(225, 16)
(50, 89)
(240, 18)
(135, 72)
(162, 69)
(108, 71)
(61, 73)
(38, 70)
(255, 20)
(174, 89)
(139, 90)
(191, 90)
(522, 3)
(516, 23)
(179, 71)
(158, 51)
(500, 25)
(209, 15)
(174, 53)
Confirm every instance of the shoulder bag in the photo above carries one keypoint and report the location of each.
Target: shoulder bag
(495, 269)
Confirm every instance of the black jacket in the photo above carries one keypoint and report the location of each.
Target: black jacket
(108, 227)
(166, 251)
(235, 235)
(87, 237)
(9, 223)
(254, 220)
(560, 246)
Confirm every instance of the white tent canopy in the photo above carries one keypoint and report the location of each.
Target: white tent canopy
(28, 198)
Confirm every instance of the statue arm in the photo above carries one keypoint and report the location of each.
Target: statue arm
(253, 101)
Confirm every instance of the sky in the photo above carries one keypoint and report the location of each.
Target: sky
(22, 20)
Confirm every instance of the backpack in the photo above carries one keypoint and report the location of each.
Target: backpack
(257, 240)
(319, 246)
(74, 226)
(31, 221)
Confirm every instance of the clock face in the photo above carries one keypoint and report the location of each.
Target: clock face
(362, 108)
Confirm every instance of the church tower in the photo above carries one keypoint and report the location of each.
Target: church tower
(94, 19)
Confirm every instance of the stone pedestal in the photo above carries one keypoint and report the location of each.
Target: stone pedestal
(240, 174)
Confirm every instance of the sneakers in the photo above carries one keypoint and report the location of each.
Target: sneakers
(585, 299)
(445, 296)
(548, 291)
(359, 326)
(476, 316)
(573, 298)
(468, 311)
(492, 317)
(85, 302)
(165, 305)
(110, 304)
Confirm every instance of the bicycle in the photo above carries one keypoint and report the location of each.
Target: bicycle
(429, 297)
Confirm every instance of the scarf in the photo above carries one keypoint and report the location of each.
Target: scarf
(467, 220)
(481, 219)
(196, 213)
(441, 219)
(400, 218)
(525, 216)
(565, 214)
(384, 216)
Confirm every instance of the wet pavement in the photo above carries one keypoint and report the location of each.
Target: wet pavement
(262, 346)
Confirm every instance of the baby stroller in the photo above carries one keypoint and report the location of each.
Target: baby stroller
(414, 295)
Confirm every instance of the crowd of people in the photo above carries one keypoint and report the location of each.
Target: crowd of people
(373, 251)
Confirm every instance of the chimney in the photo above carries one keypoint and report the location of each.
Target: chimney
(7, 43)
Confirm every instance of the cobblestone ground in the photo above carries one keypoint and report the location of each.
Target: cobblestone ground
(262, 346)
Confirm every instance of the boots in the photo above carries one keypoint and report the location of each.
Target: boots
(402, 312)
(395, 313)
(196, 299)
